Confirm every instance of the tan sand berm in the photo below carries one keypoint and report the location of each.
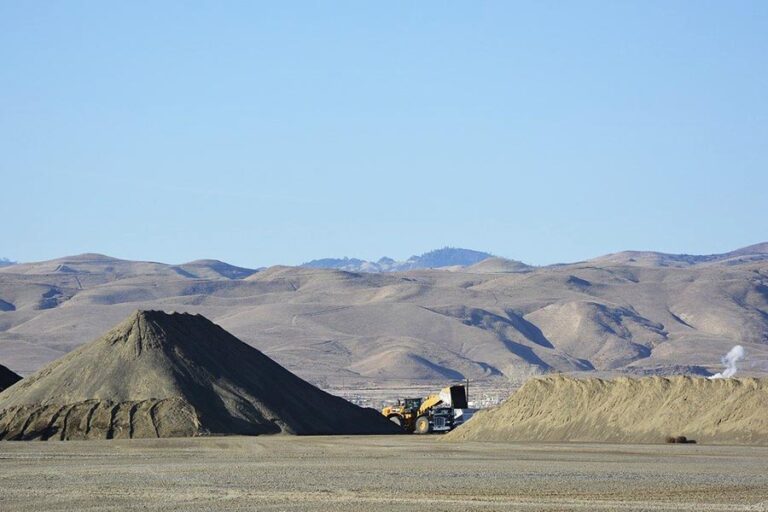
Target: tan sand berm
(627, 410)
(170, 375)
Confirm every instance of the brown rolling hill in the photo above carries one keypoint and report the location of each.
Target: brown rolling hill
(491, 321)
(627, 410)
(752, 253)
(497, 265)
(168, 375)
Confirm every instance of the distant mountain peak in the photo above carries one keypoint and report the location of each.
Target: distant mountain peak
(438, 258)
(450, 256)
(4, 262)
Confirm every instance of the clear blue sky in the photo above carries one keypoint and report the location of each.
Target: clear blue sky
(263, 133)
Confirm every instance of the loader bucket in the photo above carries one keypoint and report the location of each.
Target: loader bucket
(459, 397)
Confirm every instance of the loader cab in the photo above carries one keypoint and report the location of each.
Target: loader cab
(410, 404)
(436, 413)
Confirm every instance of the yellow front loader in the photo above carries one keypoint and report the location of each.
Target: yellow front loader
(432, 414)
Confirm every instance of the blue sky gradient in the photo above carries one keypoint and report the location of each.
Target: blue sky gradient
(264, 133)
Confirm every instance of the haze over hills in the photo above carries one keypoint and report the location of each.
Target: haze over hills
(439, 258)
(493, 320)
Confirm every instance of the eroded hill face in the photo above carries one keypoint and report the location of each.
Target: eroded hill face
(625, 410)
(159, 375)
(335, 328)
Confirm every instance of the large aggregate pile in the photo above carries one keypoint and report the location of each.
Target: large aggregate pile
(627, 410)
(168, 375)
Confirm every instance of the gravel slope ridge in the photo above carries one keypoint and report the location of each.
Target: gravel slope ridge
(167, 375)
(622, 410)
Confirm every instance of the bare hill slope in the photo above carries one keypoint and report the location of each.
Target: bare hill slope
(356, 328)
(626, 410)
(164, 375)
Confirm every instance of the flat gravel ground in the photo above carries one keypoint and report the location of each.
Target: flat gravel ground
(390, 473)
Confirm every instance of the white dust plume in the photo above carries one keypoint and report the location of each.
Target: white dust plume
(729, 360)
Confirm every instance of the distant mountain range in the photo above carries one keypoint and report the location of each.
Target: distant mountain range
(451, 258)
(439, 258)
(452, 314)
(447, 258)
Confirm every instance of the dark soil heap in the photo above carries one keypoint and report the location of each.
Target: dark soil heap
(7, 378)
(170, 375)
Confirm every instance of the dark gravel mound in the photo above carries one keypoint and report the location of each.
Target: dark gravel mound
(7, 377)
(166, 375)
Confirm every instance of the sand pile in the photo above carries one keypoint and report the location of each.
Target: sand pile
(7, 378)
(644, 410)
(166, 375)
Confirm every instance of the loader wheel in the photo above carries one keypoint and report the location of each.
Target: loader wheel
(422, 425)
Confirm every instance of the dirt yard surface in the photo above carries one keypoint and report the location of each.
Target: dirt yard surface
(389, 473)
